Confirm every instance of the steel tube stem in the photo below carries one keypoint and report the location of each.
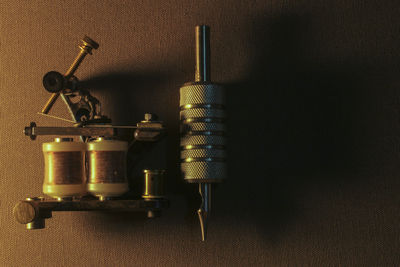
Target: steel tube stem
(202, 73)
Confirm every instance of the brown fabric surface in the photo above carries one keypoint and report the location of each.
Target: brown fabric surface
(313, 101)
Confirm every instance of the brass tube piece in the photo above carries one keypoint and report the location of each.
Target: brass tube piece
(50, 103)
(153, 186)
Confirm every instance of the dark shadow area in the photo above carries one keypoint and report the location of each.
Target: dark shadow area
(297, 120)
(291, 119)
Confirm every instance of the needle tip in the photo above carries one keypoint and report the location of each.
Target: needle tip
(203, 223)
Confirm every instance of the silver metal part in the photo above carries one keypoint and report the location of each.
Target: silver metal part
(202, 94)
(202, 113)
(202, 116)
(203, 153)
(33, 131)
(205, 193)
(203, 126)
(202, 73)
(203, 171)
(149, 130)
(203, 139)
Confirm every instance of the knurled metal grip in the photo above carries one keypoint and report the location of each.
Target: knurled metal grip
(204, 172)
(203, 126)
(213, 138)
(203, 153)
(202, 116)
(203, 140)
(199, 94)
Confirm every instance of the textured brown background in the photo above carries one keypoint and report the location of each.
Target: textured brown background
(314, 106)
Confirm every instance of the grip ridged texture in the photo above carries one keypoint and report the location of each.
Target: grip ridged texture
(203, 153)
(202, 94)
(203, 138)
(202, 113)
(203, 170)
(203, 126)
(188, 139)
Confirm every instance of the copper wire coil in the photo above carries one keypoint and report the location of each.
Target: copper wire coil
(107, 167)
(64, 167)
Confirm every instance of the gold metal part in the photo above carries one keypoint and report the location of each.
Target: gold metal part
(36, 224)
(153, 184)
(103, 198)
(150, 214)
(50, 103)
(86, 48)
(64, 199)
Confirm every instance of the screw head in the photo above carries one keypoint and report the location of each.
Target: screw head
(24, 212)
(90, 42)
(148, 116)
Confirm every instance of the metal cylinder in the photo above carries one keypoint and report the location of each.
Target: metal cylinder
(64, 168)
(203, 141)
(153, 184)
(107, 168)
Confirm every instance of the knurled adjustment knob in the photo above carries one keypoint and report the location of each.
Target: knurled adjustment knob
(54, 82)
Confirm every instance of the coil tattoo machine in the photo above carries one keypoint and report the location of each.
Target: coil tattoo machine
(86, 165)
(203, 141)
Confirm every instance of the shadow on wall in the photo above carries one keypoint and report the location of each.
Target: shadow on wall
(291, 118)
(294, 124)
